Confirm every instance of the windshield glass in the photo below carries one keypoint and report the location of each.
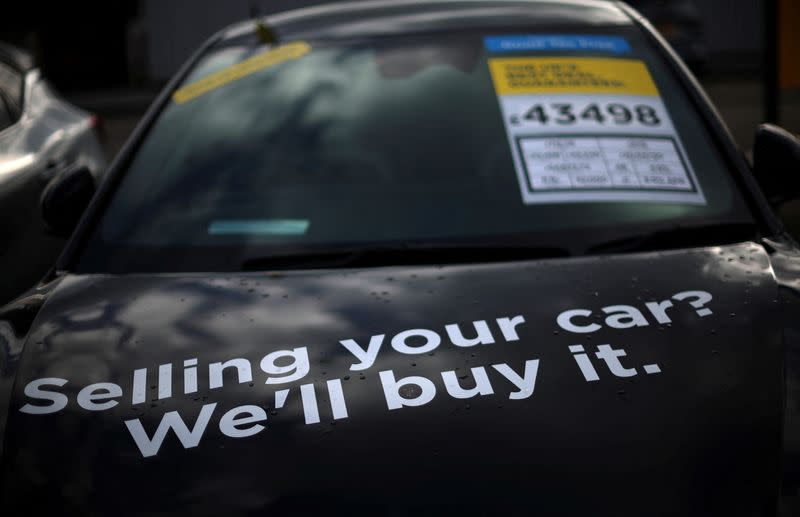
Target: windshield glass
(557, 139)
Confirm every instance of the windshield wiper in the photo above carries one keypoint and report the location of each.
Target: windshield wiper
(375, 256)
(680, 236)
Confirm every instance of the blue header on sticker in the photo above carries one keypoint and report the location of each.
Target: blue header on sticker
(516, 43)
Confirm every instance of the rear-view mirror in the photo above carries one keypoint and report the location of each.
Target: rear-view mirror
(776, 163)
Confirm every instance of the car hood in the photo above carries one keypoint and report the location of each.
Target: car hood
(540, 412)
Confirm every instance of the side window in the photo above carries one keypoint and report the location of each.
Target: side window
(5, 114)
(11, 85)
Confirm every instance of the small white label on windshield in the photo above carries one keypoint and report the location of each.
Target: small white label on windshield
(590, 129)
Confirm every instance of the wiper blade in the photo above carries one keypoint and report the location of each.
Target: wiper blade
(401, 255)
(680, 236)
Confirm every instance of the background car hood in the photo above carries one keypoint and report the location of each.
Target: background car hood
(697, 432)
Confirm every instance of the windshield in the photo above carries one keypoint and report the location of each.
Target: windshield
(556, 140)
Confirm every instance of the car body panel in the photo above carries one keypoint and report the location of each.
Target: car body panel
(382, 17)
(50, 136)
(702, 437)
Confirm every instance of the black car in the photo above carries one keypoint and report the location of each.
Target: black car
(403, 258)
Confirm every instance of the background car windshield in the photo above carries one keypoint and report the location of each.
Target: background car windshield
(364, 143)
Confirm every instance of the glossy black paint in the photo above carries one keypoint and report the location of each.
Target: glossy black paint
(703, 437)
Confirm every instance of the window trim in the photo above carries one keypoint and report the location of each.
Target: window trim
(710, 119)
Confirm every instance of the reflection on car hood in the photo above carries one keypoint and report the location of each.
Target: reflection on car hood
(479, 388)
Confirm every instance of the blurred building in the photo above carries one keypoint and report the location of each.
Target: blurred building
(733, 33)
(79, 45)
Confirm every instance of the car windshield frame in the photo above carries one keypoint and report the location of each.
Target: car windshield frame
(566, 239)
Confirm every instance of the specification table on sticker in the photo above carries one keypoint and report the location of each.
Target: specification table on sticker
(603, 162)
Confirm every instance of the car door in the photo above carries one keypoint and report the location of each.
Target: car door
(15, 160)
(25, 248)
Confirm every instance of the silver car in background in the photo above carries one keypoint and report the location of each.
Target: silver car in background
(41, 136)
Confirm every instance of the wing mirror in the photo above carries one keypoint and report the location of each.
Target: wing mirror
(65, 198)
(776, 163)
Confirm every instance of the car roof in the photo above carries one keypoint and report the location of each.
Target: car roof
(16, 57)
(391, 17)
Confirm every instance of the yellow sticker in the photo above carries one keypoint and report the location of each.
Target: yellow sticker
(249, 66)
(529, 75)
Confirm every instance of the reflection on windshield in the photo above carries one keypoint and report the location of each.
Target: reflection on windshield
(355, 144)
(331, 135)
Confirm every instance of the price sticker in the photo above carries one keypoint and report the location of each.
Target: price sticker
(587, 129)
